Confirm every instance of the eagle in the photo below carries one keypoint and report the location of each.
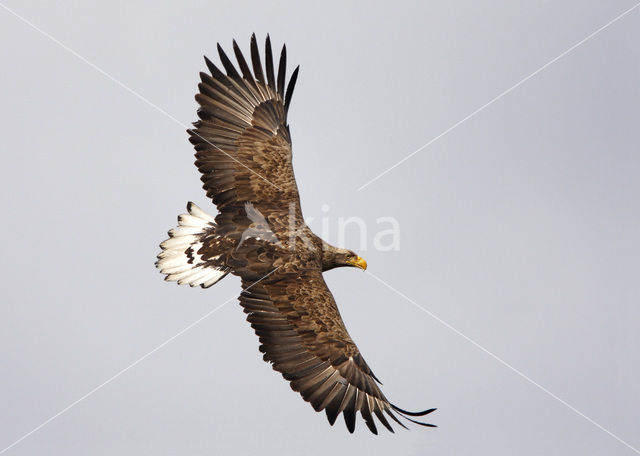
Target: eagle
(243, 151)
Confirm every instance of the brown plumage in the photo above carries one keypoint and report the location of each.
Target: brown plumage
(243, 151)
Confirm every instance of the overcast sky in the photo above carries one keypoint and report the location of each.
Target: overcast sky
(518, 228)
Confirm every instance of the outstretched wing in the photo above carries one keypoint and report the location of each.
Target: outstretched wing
(302, 334)
(242, 140)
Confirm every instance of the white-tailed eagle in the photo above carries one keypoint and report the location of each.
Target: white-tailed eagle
(243, 151)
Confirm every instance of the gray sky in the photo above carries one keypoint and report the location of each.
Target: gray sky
(519, 228)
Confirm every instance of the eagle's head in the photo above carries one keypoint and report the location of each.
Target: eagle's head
(334, 257)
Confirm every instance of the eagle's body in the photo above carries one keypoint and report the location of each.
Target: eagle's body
(243, 150)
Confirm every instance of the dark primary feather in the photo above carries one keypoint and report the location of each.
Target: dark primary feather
(226, 63)
(246, 72)
(255, 60)
(271, 80)
(292, 84)
(243, 151)
(282, 69)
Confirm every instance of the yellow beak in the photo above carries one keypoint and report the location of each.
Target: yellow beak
(359, 263)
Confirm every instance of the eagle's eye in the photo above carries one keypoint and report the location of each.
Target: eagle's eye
(356, 261)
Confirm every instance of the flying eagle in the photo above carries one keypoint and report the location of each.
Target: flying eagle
(243, 150)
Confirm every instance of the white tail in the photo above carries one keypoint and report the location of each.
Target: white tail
(180, 259)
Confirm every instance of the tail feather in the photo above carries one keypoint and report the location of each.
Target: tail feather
(181, 260)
